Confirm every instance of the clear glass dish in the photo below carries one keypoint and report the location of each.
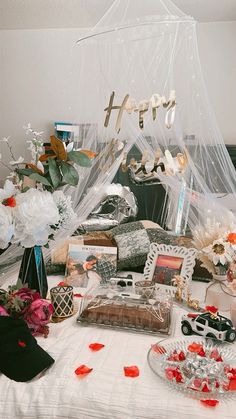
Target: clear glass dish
(203, 377)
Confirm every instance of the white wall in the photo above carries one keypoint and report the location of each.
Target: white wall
(36, 78)
(218, 58)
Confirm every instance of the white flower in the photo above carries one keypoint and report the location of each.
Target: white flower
(7, 191)
(6, 226)
(18, 161)
(219, 252)
(34, 214)
(64, 205)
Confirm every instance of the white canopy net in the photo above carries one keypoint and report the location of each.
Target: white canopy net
(146, 53)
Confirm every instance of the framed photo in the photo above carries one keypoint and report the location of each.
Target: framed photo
(165, 261)
(88, 266)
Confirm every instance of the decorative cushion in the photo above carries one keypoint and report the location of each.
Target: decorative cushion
(133, 242)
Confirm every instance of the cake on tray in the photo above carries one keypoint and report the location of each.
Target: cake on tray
(119, 312)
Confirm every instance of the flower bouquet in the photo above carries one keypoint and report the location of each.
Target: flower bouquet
(26, 304)
(31, 207)
(216, 245)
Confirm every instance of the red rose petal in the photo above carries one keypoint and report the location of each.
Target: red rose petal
(232, 384)
(197, 382)
(78, 295)
(205, 389)
(21, 343)
(195, 347)
(62, 284)
(82, 370)
(96, 346)
(131, 371)
(211, 403)
(202, 353)
(219, 359)
(181, 356)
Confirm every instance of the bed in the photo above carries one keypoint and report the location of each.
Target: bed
(105, 393)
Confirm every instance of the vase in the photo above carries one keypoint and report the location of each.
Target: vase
(217, 293)
(32, 270)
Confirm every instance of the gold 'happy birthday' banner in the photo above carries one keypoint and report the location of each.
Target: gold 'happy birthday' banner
(129, 105)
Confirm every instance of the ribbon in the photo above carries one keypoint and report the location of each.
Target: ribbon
(223, 287)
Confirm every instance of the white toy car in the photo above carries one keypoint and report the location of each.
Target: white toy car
(218, 327)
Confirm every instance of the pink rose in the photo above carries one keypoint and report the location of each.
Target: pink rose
(3, 311)
(27, 295)
(38, 314)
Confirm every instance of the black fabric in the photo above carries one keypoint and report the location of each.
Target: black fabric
(21, 358)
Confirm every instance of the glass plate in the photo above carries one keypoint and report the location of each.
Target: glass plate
(196, 371)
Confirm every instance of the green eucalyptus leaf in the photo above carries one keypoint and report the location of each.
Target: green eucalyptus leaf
(69, 174)
(54, 173)
(79, 158)
(39, 178)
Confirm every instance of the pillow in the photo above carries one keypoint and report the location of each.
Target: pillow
(133, 243)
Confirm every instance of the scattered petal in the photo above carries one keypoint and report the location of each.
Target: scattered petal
(232, 384)
(211, 403)
(195, 347)
(96, 346)
(132, 371)
(205, 389)
(78, 295)
(21, 343)
(82, 370)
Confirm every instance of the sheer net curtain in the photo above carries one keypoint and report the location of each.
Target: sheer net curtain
(141, 48)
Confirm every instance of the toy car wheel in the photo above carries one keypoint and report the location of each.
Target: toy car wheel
(186, 328)
(211, 336)
(231, 336)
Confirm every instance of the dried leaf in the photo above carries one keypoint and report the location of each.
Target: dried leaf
(90, 154)
(58, 148)
(34, 168)
(46, 157)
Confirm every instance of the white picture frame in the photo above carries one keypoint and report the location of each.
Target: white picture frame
(164, 261)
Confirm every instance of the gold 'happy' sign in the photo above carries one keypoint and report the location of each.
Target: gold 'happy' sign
(129, 105)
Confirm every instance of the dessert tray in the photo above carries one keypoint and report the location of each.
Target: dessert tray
(204, 369)
(123, 310)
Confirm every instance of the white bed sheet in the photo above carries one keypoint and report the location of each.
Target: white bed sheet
(105, 392)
